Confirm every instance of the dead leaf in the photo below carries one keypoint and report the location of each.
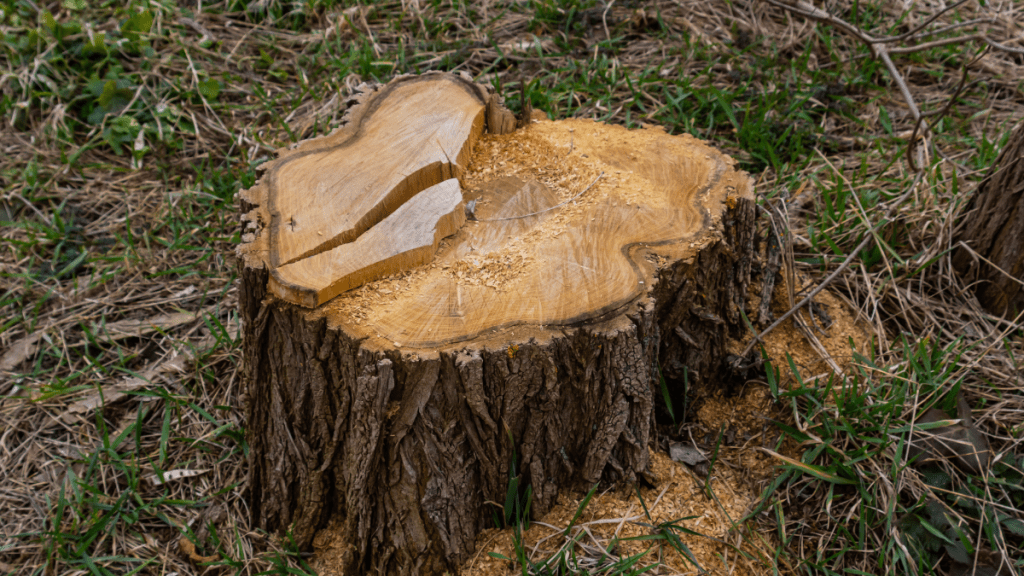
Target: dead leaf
(961, 443)
(189, 549)
(686, 454)
(112, 393)
(20, 351)
(136, 327)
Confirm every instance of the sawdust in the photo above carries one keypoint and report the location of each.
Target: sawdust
(357, 305)
(498, 270)
(532, 156)
(676, 492)
(740, 474)
(677, 495)
(739, 424)
(836, 338)
(330, 550)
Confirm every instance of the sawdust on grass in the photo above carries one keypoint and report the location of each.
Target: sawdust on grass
(673, 490)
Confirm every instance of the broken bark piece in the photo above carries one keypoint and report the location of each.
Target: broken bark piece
(500, 120)
(686, 454)
(394, 409)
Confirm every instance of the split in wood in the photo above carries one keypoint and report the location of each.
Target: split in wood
(386, 407)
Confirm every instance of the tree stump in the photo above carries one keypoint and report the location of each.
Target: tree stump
(993, 227)
(426, 293)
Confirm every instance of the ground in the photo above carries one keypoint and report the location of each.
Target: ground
(129, 127)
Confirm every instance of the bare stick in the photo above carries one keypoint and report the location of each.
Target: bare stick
(835, 274)
(924, 24)
(882, 49)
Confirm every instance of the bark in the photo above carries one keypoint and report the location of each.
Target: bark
(406, 445)
(993, 227)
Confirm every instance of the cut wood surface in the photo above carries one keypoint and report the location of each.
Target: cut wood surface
(391, 377)
(332, 190)
(404, 240)
(524, 262)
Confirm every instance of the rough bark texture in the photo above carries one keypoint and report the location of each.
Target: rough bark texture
(393, 411)
(407, 448)
(994, 228)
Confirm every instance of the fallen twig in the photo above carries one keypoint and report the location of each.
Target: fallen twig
(835, 273)
(881, 48)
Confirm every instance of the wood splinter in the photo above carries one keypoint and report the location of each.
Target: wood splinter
(404, 240)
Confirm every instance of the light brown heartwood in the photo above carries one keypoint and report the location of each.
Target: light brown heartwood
(427, 294)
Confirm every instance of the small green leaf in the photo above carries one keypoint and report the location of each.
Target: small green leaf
(510, 497)
(579, 510)
(210, 89)
(108, 94)
(46, 19)
(97, 115)
(817, 472)
(884, 120)
(115, 96)
(137, 25)
(666, 396)
(935, 532)
(73, 4)
(1015, 526)
(97, 45)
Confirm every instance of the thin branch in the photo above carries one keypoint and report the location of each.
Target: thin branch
(956, 26)
(937, 44)
(810, 11)
(1004, 47)
(924, 24)
(908, 98)
(939, 113)
(835, 274)
(881, 49)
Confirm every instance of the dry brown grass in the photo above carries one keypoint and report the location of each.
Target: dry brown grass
(158, 227)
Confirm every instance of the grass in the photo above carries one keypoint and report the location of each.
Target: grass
(573, 556)
(128, 127)
(856, 433)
